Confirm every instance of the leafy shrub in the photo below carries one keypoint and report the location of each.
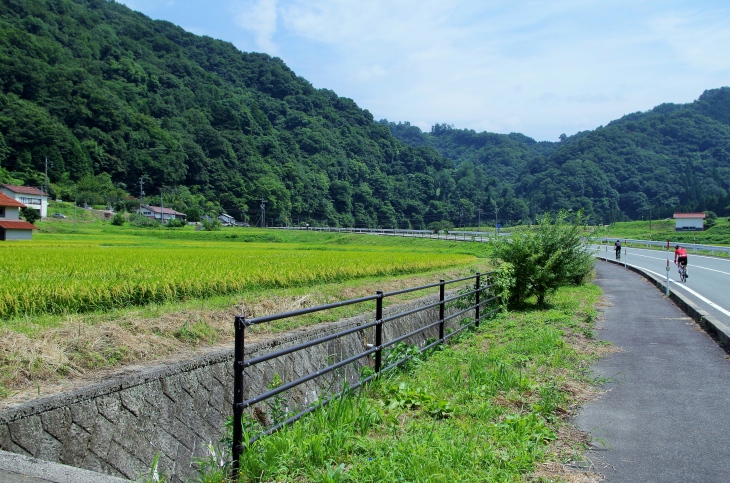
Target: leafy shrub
(118, 219)
(31, 215)
(549, 256)
(175, 223)
(211, 225)
(142, 221)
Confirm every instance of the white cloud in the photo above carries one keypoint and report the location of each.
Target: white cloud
(537, 67)
(260, 18)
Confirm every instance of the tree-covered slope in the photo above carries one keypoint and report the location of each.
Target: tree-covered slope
(96, 89)
(118, 103)
(674, 157)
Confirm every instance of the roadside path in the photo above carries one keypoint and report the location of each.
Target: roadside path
(664, 416)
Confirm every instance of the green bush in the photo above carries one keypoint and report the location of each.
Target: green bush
(31, 215)
(175, 223)
(550, 255)
(211, 225)
(118, 219)
(142, 221)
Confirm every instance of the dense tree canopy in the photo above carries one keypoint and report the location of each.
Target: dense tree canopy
(674, 157)
(116, 105)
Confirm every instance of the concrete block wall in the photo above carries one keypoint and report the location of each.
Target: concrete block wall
(175, 411)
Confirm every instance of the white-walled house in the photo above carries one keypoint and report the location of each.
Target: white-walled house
(160, 214)
(29, 196)
(689, 221)
(11, 226)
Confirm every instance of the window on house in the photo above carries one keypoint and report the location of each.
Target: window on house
(2, 212)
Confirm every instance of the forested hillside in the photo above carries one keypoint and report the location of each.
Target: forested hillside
(119, 104)
(674, 157)
(110, 97)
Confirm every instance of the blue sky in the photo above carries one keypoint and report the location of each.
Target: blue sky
(538, 67)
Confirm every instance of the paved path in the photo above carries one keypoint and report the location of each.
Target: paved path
(666, 414)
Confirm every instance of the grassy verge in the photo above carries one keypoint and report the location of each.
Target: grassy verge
(493, 406)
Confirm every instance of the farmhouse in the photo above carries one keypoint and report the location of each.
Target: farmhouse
(29, 196)
(11, 226)
(689, 221)
(160, 214)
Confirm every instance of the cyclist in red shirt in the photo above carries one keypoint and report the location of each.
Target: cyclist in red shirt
(680, 256)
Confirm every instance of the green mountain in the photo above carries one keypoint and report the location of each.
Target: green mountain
(671, 158)
(110, 97)
(113, 103)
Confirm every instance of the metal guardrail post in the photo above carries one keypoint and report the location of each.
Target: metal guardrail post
(476, 309)
(442, 311)
(237, 445)
(379, 330)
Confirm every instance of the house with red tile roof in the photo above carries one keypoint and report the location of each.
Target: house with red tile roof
(11, 226)
(31, 197)
(689, 221)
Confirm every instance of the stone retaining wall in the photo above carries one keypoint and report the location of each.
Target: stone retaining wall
(176, 410)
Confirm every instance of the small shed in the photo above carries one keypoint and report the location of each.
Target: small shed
(689, 221)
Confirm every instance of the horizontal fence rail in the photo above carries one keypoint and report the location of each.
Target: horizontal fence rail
(713, 250)
(478, 299)
(480, 236)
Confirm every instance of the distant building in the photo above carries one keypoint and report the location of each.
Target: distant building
(689, 221)
(160, 214)
(226, 220)
(29, 196)
(11, 226)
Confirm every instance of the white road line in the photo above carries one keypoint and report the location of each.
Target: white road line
(693, 255)
(691, 265)
(704, 299)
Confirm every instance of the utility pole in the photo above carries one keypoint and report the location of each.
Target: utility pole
(479, 223)
(141, 192)
(162, 208)
(263, 213)
(496, 213)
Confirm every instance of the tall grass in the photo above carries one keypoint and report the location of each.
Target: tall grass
(485, 409)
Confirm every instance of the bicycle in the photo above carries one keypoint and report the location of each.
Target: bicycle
(682, 272)
(618, 255)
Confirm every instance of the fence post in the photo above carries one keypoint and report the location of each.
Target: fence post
(239, 327)
(442, 291)
(379, 330)
(476, 309)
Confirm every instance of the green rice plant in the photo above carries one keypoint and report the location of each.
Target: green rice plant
(75, 277)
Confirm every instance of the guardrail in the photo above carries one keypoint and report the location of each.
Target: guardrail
(375, 329)
(481, 236)
(714, 250)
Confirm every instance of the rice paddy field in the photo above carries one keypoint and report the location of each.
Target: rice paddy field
(59, 277)
(86, 296)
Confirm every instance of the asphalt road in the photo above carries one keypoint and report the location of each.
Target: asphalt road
(663, 416)
(708, 284)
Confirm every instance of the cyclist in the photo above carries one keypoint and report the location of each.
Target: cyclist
(680, 256)
(617, 248)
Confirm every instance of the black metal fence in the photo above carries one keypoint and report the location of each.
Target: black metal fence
(473, 299)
